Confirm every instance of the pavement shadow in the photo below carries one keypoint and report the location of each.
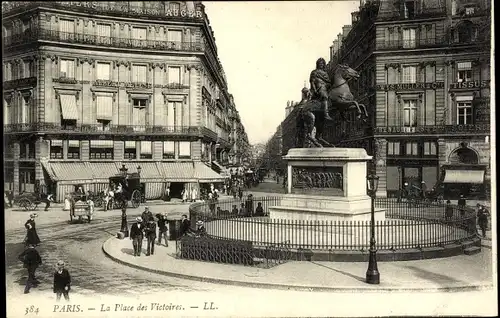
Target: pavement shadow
(441, 279)
(128, 251)
(361, 279)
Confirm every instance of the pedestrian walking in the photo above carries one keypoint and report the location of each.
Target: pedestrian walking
(5, 200)
(62, 281)
(48, 199)
(67, 202)
(163, 228)
(31, 260)
(462, 202)
(146, 216)
(194, 194)
(150, 232)
(482, 219)
(137, 235)
(448, 210)
(184, 195)
(91, 209)
(31, 234)
(10, 197)
(185, 225)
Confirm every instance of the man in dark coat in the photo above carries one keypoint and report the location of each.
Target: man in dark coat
(185, 225)
(482, 219)
(162, 228)
(150, 232)
(31, 234)
(259, 211)
(62, 281)
(146, 216)
(137, 235)
(31, 260)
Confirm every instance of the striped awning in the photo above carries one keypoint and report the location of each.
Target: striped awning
(104, 107)
(101, 171)
(67, 171)
(464, 176)
(149, 170)
(69, 110)
(177, 171)
(204, 174)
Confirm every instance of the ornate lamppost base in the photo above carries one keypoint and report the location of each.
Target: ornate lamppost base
(124, 227)
(372, 274)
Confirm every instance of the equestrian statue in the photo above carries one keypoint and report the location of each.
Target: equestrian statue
(329, 93)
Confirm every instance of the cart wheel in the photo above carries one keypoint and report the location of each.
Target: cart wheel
(26, 204)
(135, 198)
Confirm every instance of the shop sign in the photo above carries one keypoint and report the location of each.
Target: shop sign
(409, 86)
(470, 84)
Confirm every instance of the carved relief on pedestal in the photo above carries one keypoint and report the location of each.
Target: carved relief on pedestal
(317, 179)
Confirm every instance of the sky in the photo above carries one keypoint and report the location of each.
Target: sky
(268, 49)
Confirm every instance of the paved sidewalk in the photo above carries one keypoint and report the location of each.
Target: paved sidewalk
(458, 273)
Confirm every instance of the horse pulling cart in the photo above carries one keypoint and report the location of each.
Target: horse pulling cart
(28, 200)
(131, 190)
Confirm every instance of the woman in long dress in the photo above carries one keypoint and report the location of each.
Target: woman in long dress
(67, 202)
(31, 234)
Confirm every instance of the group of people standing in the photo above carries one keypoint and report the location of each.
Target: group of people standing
(146, 226)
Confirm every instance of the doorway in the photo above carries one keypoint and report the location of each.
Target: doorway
(176, 189)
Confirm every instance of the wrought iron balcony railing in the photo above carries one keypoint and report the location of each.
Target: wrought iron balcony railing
(424, 13)
(412, 44)
(436, 129)
(100, 129)
(92, 39)
(21, 82)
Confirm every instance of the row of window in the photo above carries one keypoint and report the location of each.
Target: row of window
(410, 8)
(464, 73)
(104, 149)
(411, 148)
(463, 108)
(103, 71)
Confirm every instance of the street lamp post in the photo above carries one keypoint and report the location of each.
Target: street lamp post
(124, 227)
(400, 194)
(372, 274)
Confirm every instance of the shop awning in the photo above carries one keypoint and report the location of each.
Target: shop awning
(464, 176)
(101, 171)
(177, 171)
(204, 174)
(69, 110)
(149, 170)
(67, 171)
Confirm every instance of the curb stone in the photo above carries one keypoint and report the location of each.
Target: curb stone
(345, 289)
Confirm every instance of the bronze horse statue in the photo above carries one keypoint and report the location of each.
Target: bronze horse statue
(311, 117)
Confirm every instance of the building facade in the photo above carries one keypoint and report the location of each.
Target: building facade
(425, 79)
(90, 86)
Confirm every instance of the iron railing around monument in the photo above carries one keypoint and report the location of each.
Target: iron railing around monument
(407, 226)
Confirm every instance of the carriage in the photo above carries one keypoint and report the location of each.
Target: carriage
(131, 190)
(28, 200)
(79, 209)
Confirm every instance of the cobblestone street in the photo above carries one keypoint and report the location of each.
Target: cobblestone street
(79, 245)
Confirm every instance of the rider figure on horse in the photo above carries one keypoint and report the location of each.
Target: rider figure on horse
(320, 83)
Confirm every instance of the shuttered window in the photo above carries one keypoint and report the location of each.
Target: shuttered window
(67, 30)
(168, 150)
(146, 150)
(56, 149)
(67, 68)
(104, 71)
(139, 73)
(174, 75)
(73, 149)
(130, 150)
(184, 149)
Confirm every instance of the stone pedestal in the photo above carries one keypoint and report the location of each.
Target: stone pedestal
(327, 184)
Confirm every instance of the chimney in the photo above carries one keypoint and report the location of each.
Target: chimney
(345, 30)
(355, 17)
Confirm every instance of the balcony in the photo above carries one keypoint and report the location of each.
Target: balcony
(412, 44)
(99, 129)
(20, 83)
(105, 41)
(425, 13)
(433, 130)
(119, 8)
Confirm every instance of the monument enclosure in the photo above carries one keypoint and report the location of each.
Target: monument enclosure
(326, 184)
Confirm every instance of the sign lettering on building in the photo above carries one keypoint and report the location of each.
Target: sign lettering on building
(470, 84)
(409, 86)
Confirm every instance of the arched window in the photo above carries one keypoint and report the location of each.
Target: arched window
(464, 156)
(466, 32)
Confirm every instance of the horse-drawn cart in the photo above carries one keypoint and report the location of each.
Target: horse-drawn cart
(80, 210)
(131, 190)
(28, 200)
